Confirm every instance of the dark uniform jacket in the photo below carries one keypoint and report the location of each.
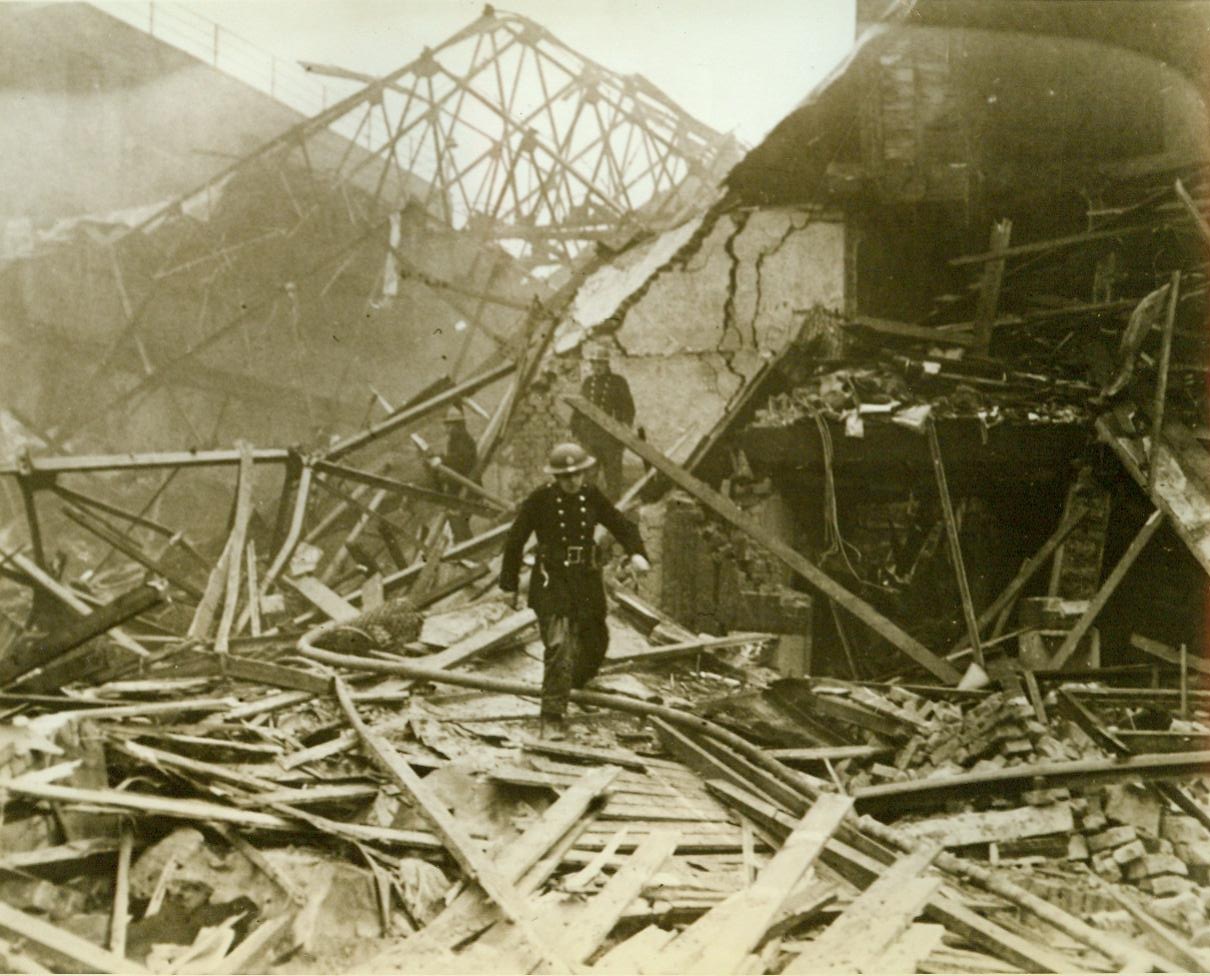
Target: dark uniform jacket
(566, 579)
(608, 392)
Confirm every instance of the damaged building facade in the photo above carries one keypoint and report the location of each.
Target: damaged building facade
(915, 683)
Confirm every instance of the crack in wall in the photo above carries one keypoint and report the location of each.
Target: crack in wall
(792, 228)
(680, 258)
(729, 324)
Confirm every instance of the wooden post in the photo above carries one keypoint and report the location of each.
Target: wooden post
(27, 481)
(1067, 648)
(951, 533)
(121, 897)
(989, 289)
(1161, 382)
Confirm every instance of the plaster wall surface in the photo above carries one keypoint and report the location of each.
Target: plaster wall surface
(703, 327)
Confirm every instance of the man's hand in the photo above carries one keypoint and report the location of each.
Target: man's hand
(512, 598)
(639, 563)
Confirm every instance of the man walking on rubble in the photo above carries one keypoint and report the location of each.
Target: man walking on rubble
(609, 392)
(460, 455)
(566, 589)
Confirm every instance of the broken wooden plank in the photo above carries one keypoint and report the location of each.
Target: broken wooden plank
(951, 523)
(235, 545)
(482, 641)
(121, 892)
(1026, 573)
(132, 551)
(875, 919)
(89, 957)
(201, 810)
(69, 598)
(1169, 655)
(730, 512)
(832, 753)
(413, 412)
(458, 842)
(906, 953)
(409, 490)
(1184, 499)
(991, 826)
(573, 750)
(1073, 708)
(919, 333)
(629, 956)
(330, 603)
(989, 286)
(587, 924)
(1161, 379)
(720, 939)
(661, 654)
(1191, 209)
(51, 656)
(1116, 575)
(1081, 772)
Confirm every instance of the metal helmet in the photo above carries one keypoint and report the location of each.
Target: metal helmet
(597, 354)
(568, 459)
(454, 415)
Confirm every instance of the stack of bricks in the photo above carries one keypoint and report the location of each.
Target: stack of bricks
(1127, 836)
(997, 732)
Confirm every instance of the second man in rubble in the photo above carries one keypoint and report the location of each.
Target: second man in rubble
(609, 392)
(566, 589)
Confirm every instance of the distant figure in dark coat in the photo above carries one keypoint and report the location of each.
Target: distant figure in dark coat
(460, 455)
(566, 590)
(610, 393)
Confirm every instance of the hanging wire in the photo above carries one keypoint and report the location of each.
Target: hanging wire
(832, 535)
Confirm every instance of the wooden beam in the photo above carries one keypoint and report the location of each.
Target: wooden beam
(1190, 206)
(142, 462)
(411, 414)
(874, 920)
(235, 545)
(1097, 603)
(1074, 709)
(730, 512)
(131, 550)
(1071, 240)
(955, 544)
(1161, 380)
(719, 940)
(407, 489)
(89, 957)
(470, 857)
(67, 597)
(989, 287)
(471, 911)
(1026, 573)
(1168, 655)
(919, 333)
(1082, 772)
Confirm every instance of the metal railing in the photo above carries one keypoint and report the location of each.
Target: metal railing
(225, 50)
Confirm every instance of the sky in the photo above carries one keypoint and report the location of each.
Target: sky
(737, 66)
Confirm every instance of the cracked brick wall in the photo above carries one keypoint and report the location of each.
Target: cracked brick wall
(690, 317)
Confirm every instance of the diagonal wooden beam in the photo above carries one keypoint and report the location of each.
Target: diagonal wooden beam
(1097, 603)
(729, 511)
(470, 857)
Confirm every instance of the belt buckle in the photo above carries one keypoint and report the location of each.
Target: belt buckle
(573, 556)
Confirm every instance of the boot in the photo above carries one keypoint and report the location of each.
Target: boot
(553, 727)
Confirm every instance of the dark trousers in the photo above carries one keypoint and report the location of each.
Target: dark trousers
(574, 650)
(609, 458)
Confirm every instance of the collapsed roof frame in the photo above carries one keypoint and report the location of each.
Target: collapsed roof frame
(445, 137)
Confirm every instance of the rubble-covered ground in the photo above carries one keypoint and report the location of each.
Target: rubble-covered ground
(702, 813)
